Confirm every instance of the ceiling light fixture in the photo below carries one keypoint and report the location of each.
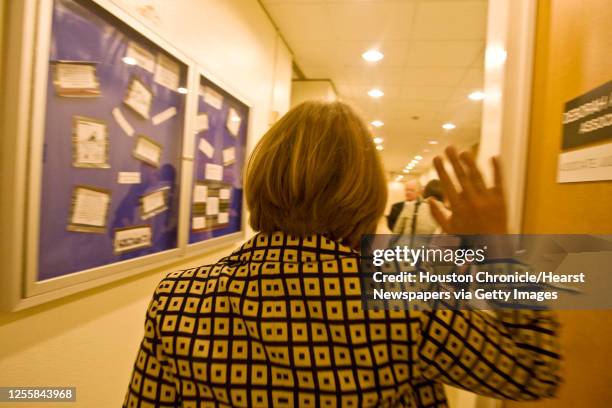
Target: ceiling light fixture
(417, 157)
(477, 96)
(495, 56)
(448, 126)
(183, 91)
(378, 140)
(379, 147)
(433, 142)
(377, 123)
(372, 55)
(375, 93)
(129, 60)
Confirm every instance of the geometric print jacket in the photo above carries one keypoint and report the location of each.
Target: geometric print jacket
(280, 323)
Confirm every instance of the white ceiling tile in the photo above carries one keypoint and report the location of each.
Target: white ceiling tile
(380, 20)
(433, 76)
(473, 79)
(450, 20)
(426, 93)
(442, 53)
(300, 21)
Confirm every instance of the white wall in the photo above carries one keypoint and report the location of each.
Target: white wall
(89, 340)
(308, 90)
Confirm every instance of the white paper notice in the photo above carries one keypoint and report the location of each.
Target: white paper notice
(223, 218)
(167, 72)
(128, 177)
(147, 151)
(76, 76)
(229, 156)
(213, 172)
(212, 206)
(198, 223)
(153, 202)
(201, 123)
(200, 193)
(132, 238)
(122, 122)
(90, 207)
(90, 143)
(164, 115)
(212, 97)
(139, 98)
(233, 122)
(224, 194)
(206, 148)
(142, 57)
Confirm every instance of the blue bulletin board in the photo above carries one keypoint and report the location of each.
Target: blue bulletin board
(221, 127)
(113, 135)
(132, 158)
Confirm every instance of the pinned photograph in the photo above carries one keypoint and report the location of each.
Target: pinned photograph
(89, 143)
(154, 203)
(206, 148)
(201, 122)
(148, 151)
(229, 156)
(198, 223)
(211, 97)
(132, 238)
(139, 98)
(213, 172)
(167, 72)
(233, 122)
(89, 212)
(137, 55)
(200, 192)
(76, 79)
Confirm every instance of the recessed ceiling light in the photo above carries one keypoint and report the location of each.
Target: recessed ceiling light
(378, 140)
(417, 157)
(477, 96)
(448, 126)
(372, 55)
(375, 93)
(377, 123)
(433, 142)
(495, 56)
(182, 90)
(129, 60)
(406, 171)
(379, 147)
(425, 150)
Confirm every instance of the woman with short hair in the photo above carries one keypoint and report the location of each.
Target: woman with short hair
(280, 322)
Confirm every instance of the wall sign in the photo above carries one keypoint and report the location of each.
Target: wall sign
(587, 120)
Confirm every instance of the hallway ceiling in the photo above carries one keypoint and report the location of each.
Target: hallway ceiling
(433, 58)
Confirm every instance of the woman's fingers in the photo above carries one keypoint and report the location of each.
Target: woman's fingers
(438, 214)
(473, 172)
(447, 183)
(497, 173)
(462, 177)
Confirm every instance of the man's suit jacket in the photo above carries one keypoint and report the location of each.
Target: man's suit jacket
(396, 210)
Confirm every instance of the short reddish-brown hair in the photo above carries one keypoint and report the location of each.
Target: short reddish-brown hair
(317, 171)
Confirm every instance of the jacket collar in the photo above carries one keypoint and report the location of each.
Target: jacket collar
(281, 247)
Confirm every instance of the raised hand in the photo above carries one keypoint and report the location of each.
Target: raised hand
(476, 208)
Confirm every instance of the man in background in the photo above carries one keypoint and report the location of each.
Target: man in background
(412, 192)
(415, 216)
